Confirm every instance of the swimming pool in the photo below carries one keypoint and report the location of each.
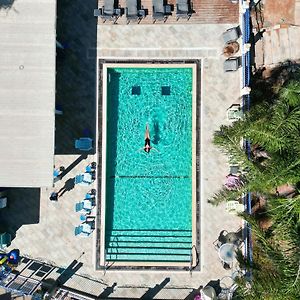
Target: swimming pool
(148, 197)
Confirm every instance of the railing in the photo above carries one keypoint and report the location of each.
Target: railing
(246, 70)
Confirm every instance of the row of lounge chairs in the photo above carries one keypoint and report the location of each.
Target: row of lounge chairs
(134, 10)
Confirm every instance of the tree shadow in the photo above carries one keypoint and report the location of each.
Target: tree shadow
(6, 4)
(23, 207)
(266, 82)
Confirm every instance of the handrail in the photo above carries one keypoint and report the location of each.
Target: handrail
(246, 65)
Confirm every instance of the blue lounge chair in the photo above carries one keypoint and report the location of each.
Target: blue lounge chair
(84, 179)
(79, 206)
(78, 230)
(83, 230)
(84, 144)
(78, 179)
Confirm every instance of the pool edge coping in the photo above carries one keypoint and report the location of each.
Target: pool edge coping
(194, 254)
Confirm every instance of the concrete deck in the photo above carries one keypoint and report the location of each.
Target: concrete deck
(189, 41)
(52, 238)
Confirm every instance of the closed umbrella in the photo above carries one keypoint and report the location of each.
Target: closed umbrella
(208, 293)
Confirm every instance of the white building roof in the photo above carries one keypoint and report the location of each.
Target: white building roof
(27, 93)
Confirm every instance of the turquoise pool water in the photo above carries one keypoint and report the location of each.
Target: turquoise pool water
(149, 195)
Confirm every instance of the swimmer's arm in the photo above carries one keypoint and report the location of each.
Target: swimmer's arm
(155, 149)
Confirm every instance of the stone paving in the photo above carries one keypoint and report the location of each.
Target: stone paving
(52, 237)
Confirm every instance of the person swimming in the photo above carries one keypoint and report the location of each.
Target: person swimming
(147, 146)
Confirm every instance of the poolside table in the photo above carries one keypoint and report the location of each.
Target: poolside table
(227, 253)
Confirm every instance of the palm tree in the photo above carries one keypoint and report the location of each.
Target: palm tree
(276, 269)
(275, 128)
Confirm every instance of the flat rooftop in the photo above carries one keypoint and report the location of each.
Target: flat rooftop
(27, 93)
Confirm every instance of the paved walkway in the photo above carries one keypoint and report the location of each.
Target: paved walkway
(281, 44)
(163, 41)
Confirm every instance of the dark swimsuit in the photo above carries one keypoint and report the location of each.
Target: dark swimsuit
(147, 142)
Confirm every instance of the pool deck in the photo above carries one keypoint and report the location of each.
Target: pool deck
(205, 12)
(48, 233)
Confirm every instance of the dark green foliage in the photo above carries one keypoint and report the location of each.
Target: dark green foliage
(275, 272)
(273, 126)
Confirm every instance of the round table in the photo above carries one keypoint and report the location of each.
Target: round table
(227, 252)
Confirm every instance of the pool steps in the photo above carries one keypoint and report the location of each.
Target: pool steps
(149, 245)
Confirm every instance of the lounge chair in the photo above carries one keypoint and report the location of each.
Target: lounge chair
(133, 12)
(109, 10)
(83, 179)
(231, 64)
(84, 144)
(234, 112)
(231, 35)
(183, 9)
(5, 240)
(160, 10)
(79, 206)
(80, 230)
(97, 12)
(234, 207)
